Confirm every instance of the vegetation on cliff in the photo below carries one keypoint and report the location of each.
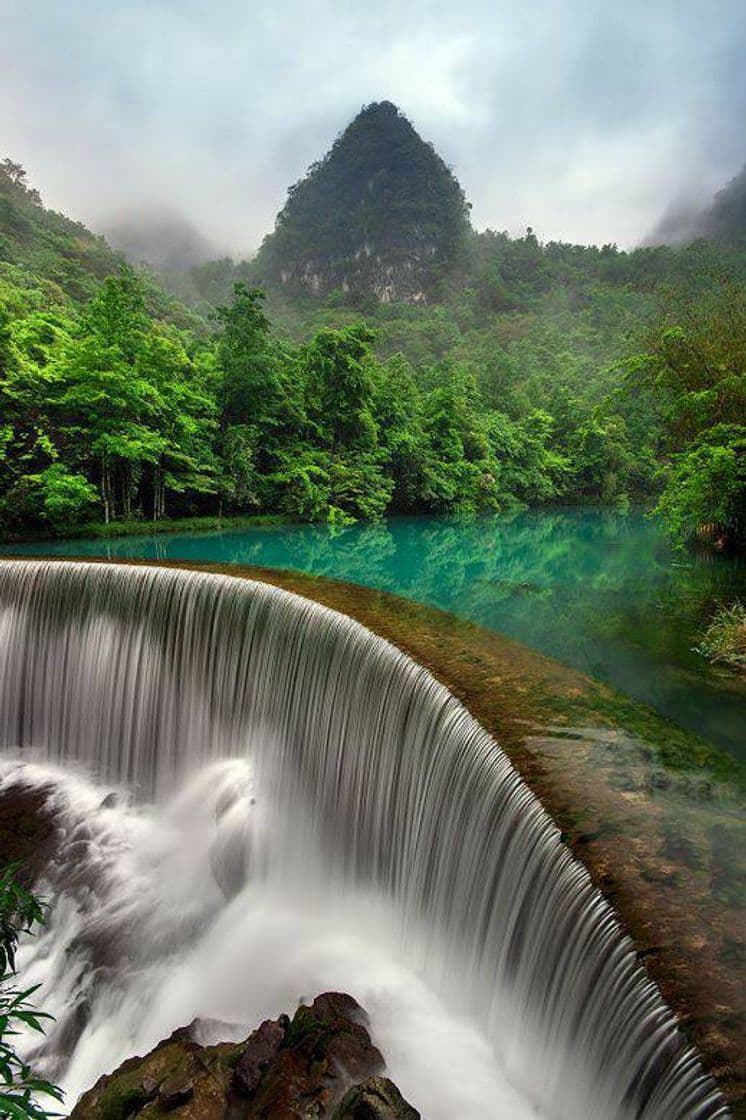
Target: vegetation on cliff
(380, 213)
(55, 250)
(725, 219)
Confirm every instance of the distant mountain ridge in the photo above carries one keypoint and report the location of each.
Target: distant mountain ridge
(380, 214)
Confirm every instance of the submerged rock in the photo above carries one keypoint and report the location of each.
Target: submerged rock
(321, 1064)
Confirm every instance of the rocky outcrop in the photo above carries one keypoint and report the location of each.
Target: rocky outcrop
(28, 829)
(322, 1063)
(381, 216)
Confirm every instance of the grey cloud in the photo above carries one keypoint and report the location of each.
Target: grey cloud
(583, 118)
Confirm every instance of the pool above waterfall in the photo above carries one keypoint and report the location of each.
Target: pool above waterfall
(601, 591)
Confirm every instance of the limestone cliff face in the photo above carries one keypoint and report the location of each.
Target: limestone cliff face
(380, 215)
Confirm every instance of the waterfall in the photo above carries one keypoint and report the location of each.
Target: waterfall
(370, 776)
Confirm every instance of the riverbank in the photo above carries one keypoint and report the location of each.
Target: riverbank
(113, 530)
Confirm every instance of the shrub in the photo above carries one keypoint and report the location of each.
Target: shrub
(724, 639)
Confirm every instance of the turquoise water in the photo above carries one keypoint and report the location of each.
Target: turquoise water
(598, 590)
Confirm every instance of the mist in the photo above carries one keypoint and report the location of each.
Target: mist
(164, 239)
(188, 121)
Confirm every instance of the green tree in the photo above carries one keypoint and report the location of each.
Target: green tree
(250, 390)
(339, 376)
(695, 366)
(705, 490)
(126, 407)
(601, 457)
(260, 413)
(340, 388)
(461, 471)
(398, 409)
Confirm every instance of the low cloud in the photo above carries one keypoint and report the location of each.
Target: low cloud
(582, 119)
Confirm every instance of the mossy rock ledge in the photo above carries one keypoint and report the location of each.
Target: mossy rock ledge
(321, 1063)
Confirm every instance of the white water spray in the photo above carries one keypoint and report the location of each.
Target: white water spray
(390, 847)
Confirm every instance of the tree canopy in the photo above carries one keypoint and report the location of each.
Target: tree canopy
(543, 372)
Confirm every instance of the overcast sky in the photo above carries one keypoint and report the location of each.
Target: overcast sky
(582, 118)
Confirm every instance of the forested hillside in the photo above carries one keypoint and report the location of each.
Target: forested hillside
(48, 246)
(543, 372)
(724, 220)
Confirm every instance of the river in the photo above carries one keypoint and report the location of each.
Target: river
(599, 590)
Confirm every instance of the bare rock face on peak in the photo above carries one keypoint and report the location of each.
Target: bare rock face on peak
(381, 215)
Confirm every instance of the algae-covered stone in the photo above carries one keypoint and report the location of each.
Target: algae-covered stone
(297, 1069)
(375, 1099)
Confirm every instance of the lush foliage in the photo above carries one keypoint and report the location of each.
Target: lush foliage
(20, 1089)
(108, 410)
(61, 252)
(695, 369)
(544, 372)
(97, 405)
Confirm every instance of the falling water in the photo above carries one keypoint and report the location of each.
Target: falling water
(362, 783)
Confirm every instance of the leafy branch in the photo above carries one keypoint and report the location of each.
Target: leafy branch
(20, 1087)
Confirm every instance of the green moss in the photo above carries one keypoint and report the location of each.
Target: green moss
(701, 765)
(305, 1025)
(120, 1100)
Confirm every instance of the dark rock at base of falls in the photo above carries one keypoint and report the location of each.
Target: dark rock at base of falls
(28, 830)
(375, 1099)
(319, 1064)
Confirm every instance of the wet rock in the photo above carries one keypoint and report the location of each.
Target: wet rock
(261, 1048)
(324, 1049)
(339, 1005)
(187, 1034)
(175, 1091)
(294, 1069)
(375, 1099)
(120, 1096)
(28, 828)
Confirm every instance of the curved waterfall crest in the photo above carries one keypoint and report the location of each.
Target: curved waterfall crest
(145, 675)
